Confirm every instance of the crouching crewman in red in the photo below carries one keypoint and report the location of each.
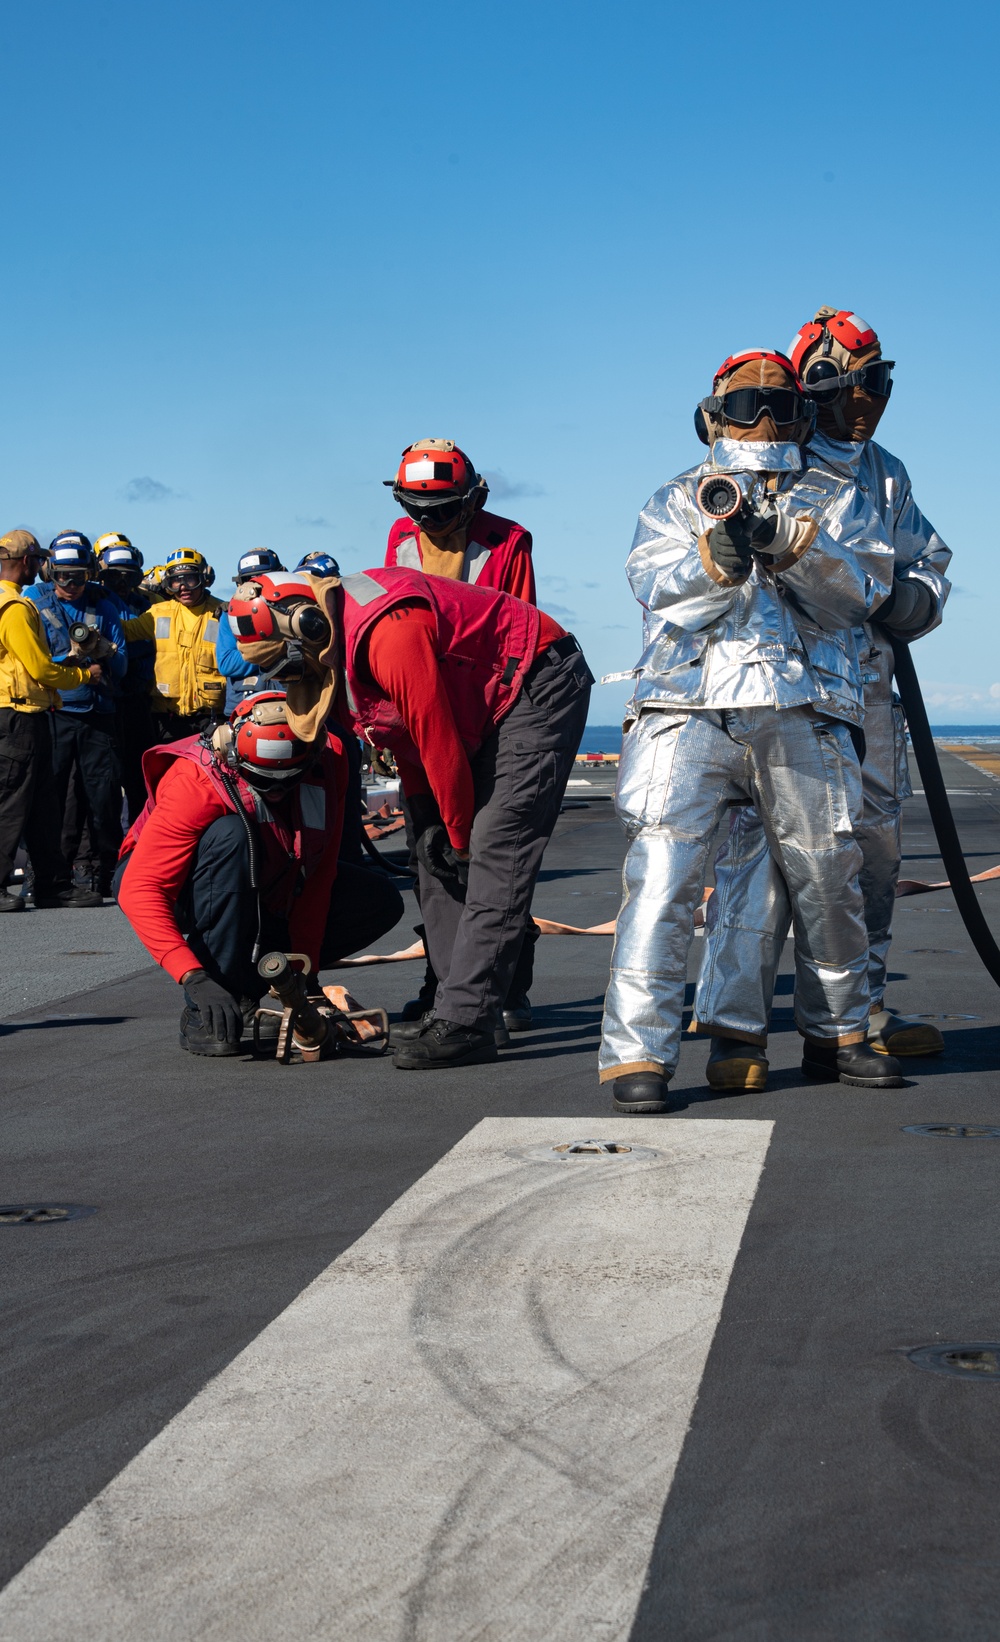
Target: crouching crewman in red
(235, 854)
(483, 700)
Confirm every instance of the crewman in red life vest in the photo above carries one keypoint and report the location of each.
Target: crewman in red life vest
(236, 849)
(445, 532)
(483, 699)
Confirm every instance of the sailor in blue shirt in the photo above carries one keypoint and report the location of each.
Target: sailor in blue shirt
(120, 565)
(242, 678)
(84, 730)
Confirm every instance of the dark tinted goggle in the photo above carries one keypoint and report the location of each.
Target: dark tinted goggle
(434, 517)
(69, 578)
(824, 381)
(745, 406)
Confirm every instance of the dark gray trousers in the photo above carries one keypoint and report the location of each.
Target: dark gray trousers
(520, 777)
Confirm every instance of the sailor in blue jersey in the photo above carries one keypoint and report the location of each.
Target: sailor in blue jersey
(84, 731)
(121, 565)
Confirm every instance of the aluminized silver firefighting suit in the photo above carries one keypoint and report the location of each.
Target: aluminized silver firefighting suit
(749, 914)
(747, 688)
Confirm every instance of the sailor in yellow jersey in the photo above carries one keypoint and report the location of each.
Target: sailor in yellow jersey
(189, 690)
(30, 682)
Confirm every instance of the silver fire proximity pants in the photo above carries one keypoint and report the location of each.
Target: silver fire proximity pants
(678, 773)
(750, 913)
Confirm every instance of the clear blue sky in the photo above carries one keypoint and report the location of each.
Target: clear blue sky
(251, 251)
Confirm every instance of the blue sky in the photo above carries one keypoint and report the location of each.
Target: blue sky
(251, 252)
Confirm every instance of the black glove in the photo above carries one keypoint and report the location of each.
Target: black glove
(731, 542)
(908, 608)
(438, 857)
(220, 1013)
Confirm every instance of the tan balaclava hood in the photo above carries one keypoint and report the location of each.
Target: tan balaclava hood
(310, 699)
(759, 373)
(854, 414)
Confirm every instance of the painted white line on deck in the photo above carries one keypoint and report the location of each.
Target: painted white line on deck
(466, 1427)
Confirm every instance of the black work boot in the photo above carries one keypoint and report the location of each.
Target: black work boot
(853, 1063)
(198, 1041)
(10, 903)
(735, 1065)
(517, 1013)
(890, 1034)
(67, 895)
(641, 1092)
(443, 1044)
(407, 1029)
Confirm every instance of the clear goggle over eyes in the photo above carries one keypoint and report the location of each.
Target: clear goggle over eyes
(824, 381)
(184, 578)
(745, 406)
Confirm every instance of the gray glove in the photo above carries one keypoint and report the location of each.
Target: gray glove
(221, 1014)
(908, 608)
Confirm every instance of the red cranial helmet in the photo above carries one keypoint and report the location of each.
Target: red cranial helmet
(282, 605)
(437, 485)
(263, 745)
(853, 333)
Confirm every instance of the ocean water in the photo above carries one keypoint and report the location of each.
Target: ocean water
(607, 738)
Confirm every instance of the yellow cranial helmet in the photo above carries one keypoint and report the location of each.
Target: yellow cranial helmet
(188, 558)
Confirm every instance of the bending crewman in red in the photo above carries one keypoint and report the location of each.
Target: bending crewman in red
(483, 699)
(235, 854)
(446, 532)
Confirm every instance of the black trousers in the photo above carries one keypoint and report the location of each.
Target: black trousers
(218, 910)
(135, 736)
(520, 777)
(29, 805)
(89, 741)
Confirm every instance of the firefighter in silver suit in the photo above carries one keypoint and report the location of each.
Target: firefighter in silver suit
(748, 688)
(840, 360)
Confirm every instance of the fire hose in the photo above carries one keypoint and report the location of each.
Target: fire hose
(942, 819)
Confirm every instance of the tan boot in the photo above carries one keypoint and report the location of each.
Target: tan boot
(890, 1034)
(738, 1066)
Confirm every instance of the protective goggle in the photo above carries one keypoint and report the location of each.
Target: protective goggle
(184, 578)
(824, 381)
(745, 406)
(434, 517)
(67, 578)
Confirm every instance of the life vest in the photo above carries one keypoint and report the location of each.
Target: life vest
(491, 544)
(313, 814)
(185, 655)
(57, 616)
(486, 643)
(17, 687)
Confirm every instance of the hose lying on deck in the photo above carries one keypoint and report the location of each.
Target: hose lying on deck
(943, 821)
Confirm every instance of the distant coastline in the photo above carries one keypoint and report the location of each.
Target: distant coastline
(607, 738)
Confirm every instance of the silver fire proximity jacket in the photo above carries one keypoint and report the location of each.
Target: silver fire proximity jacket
(782, 635)
(919, 554)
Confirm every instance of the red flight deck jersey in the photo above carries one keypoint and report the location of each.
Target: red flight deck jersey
(497, 553)
(299, 837)
(404, 660)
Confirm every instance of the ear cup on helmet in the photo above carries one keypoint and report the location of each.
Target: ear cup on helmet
(700, 425)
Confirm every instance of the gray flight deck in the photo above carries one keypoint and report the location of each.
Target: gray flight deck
(347, 1352)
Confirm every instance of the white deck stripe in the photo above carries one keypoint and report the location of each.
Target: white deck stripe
(465, 1428)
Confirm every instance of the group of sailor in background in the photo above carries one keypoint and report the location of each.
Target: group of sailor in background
(764, 691)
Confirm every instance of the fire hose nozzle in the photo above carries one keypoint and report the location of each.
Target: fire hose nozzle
(723, 495)
(289, 986)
